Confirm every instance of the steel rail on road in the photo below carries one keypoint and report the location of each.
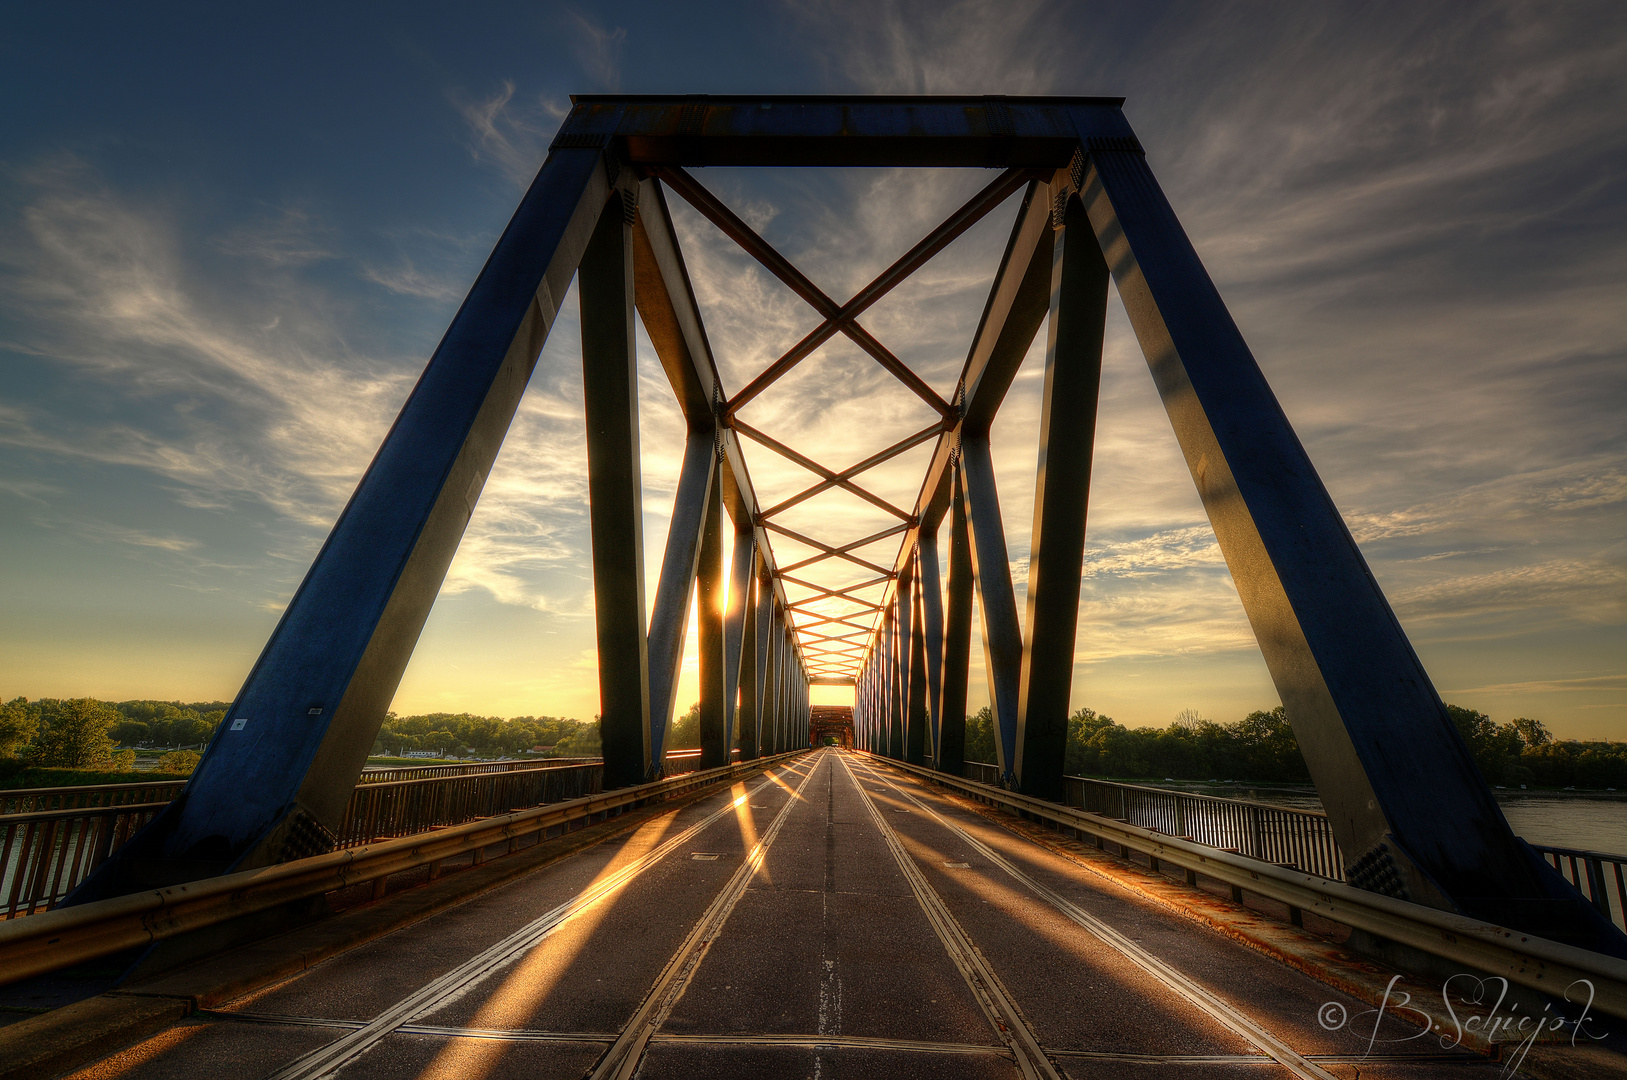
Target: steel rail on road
(56, 939)
(1195, 993)
(325, 1061)
(1548, 966)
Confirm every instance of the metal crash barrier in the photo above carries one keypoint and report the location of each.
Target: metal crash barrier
(1535, 962)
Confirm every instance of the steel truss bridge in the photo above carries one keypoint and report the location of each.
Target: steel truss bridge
(1419, 838)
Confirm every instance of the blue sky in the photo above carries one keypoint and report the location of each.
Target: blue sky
(229, 241)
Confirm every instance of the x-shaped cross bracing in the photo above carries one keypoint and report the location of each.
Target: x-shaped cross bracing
(839, 319)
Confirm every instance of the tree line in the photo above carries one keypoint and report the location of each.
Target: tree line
(84, 733)
(468, 735)
(88, 734)
(1261, 748)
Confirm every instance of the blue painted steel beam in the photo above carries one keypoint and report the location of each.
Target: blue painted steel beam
(996, 600)
(615, 498)
(931, 617)
(742, 572)
(978, 132)
(275, 780)
(714, 715)
(669, 619)
(1406, 802)
(957, 636)
(1073, 375)
(916, 720)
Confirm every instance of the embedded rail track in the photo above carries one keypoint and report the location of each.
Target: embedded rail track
(834, 918)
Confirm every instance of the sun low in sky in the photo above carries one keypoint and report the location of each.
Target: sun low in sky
(229, 242)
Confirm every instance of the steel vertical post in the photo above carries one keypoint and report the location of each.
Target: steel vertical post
(991, 573)
(1073, 375)
(915, 716)
(742, 571)
(957, 635)
(747, 718)
(615, 500)
(709, 628)
(669, 621)
(764, 647)
(927, 574)
(904, 636)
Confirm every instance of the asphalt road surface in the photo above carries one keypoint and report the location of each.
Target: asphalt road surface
(828, 919)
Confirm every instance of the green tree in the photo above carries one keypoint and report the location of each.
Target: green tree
(1496, 749)
(130, 732)
(78, 735)
(1532, 732)
(1083, 756)
(19, 721)
(584, 740)
(686, 730)
(179, 761)
(980, 737)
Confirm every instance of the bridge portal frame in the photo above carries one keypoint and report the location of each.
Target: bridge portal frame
(1403, 794)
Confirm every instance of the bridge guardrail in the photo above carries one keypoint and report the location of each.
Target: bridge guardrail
(1593, 873)
(1285, 835)
(52, 940)
(47, 850)
(422, 772)
(1547, 966)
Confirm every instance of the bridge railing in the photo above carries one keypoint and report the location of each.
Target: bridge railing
(1596, 875)
(56, 939)
(424, 772)
(52, 838)
(1300, 839)
(31, 800)
(1276, 834)
(1468, 944)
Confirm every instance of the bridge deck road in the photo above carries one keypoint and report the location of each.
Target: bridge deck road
(830, 919)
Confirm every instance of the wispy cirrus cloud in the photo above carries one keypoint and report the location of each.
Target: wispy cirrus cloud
(510, 135)
(226, 397)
